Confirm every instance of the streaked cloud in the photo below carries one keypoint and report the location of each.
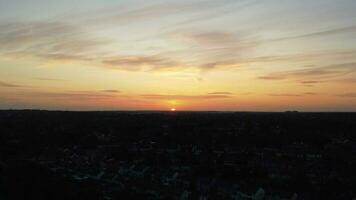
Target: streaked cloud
(347, 95)
(138, 63)
(75, 95)
(271, 77)
(311, 93)
(213, 38)
(228, 9)
(302, 57)
(313, 75)
(48, 79)
(45, 35)
(185, 97)
(149, 11)
(220, 93)
(285, 95)
(111, 91)
(48, 40)
(9, 85)
(323, 33)
(293, 94)
(310, 82)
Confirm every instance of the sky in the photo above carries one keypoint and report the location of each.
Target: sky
(226, 55)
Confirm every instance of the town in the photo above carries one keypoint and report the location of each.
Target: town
(177, 155)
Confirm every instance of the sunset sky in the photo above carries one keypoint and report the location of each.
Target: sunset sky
(229, 55)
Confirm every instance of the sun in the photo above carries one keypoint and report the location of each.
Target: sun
(173, 109)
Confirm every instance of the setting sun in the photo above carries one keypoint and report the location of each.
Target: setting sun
(173, 109)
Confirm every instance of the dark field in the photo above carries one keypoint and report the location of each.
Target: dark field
(177, 155)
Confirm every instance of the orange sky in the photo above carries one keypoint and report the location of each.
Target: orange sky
(225, 55)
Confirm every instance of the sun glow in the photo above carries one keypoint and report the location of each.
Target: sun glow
(173, 109)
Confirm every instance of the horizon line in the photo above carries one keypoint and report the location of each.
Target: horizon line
(177, 111)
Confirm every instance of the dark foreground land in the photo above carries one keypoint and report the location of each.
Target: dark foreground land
(177, 155)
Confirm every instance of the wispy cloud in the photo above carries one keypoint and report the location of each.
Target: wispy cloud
(218, 46)
(185, 97)
(347, 95)
(111, 91)
(219, 65)
(322, 33)
(313, 75)
(220, 93)
(310, 82)
(302, 57)
(271, 77)
(14, 33)
(228, 9)
(285, 95)
(47, 40)
(77, 95)
(74, 95)
(48, 79)
(10, 85)
(137, 63)
(148, 11)
(66, 42)
(293, 94)
(311, 93)
(213, 38)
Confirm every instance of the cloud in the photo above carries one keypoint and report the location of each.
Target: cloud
(64, 57)
(48, 79)
(347, 95)
(213, 38)
(310, 93)
(218, 65)
(185, 97)
(326, 71)
(227, 9)
(302, 57)
(48, 40)
(220, 93)
(148, 11)
(65, 42)
(285, 95)
(313, 75)
(138, 63)
(111, 91)
(323, 33)
(218, 46)
(19, 33)
(72, 96)
(348, 80)
(310, 82)
(10, 85)
(293, 94)
(271, 77)
(206, 50)
(55, 41)
(76, 95)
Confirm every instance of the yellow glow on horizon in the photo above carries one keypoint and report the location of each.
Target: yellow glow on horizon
(173, 102)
